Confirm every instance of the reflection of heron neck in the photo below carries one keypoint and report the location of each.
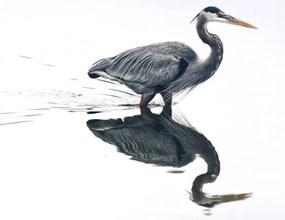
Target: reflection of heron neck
(202, 179)
(213, 170)
(211, 64)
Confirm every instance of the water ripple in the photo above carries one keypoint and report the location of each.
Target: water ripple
(26, 105)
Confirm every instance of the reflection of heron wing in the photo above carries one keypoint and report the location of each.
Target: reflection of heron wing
(150, 66)
(141, 139)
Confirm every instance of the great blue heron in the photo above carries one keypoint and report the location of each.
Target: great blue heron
(168, 67)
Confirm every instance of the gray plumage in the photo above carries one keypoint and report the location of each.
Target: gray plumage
(149, 68)
(169, 67)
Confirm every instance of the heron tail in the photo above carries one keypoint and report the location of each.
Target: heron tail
(93, 75)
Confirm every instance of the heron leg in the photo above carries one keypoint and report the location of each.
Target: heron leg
(167, 98)
(145, 99)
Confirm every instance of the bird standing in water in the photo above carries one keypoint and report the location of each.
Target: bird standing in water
(170, 67)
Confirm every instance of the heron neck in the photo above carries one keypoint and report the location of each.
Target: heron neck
(212, 63)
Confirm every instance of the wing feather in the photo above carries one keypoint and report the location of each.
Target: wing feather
(148, 66)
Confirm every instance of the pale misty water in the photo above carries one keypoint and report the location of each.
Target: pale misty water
(77, 148)
(59, 155)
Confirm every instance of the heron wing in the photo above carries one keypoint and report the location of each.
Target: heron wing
(150, 66)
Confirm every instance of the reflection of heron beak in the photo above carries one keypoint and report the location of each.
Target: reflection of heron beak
(234, 197)
(235, 21)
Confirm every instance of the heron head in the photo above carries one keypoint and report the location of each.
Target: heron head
(212, 13)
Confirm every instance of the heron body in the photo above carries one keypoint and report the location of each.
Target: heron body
(169, 67)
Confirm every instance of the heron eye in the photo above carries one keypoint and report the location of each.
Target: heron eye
(221, 14)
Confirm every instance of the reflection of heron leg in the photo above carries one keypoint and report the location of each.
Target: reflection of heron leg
(167, 111)
(167, 98)
(145, 111)
(145, 99)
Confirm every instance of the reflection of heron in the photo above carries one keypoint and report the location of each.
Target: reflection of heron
(169, 67)
(160, 140)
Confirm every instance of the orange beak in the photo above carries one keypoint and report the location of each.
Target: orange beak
(235, 21)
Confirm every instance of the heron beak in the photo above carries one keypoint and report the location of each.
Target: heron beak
(235, 21)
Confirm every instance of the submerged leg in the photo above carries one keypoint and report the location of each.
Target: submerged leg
(145, 99)
(145, 111)
(167, 98)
